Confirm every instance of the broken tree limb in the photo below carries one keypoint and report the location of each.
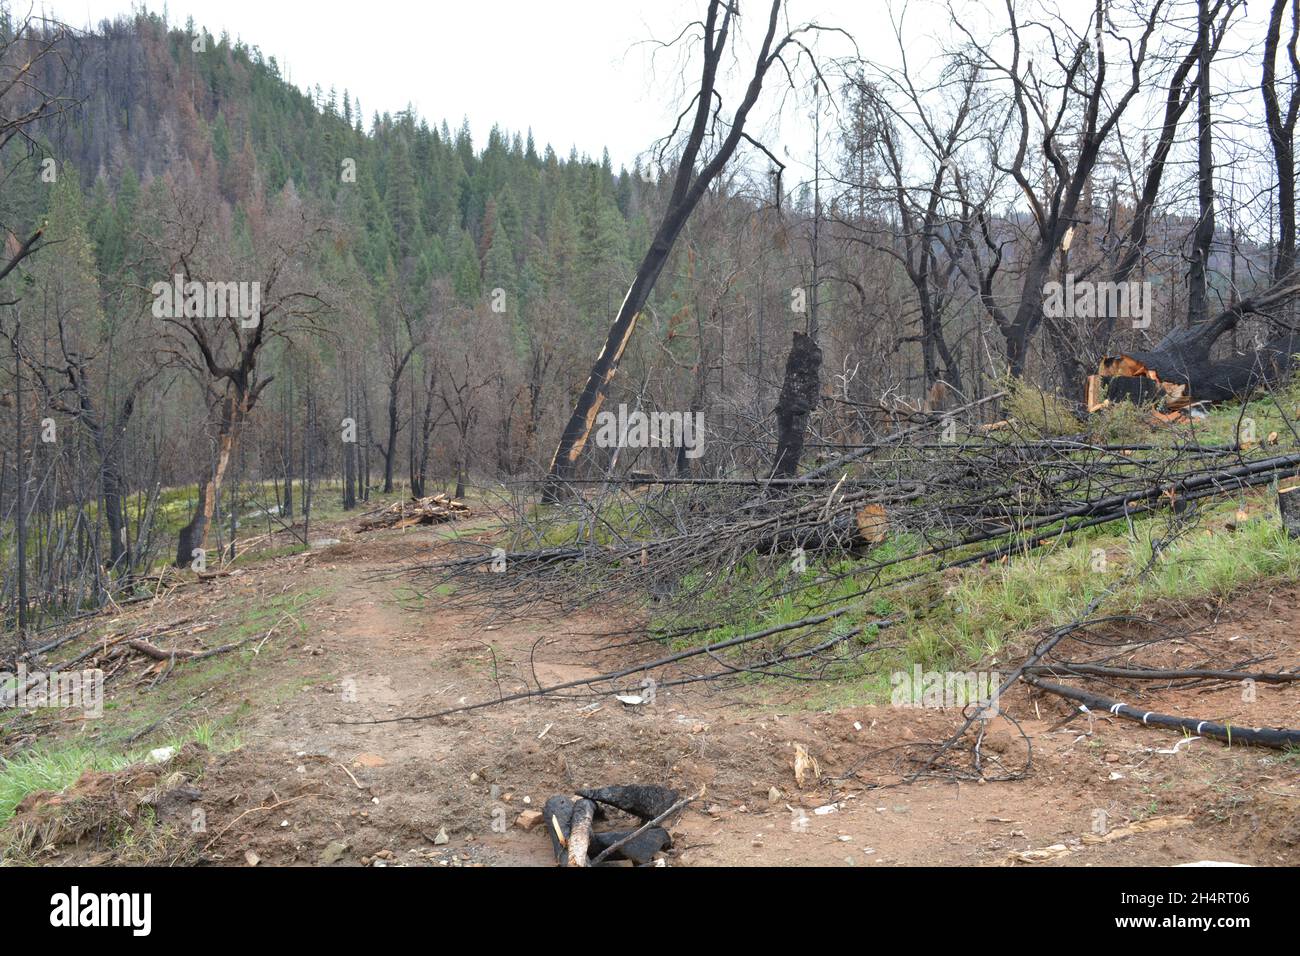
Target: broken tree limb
(160, 654)
(1278, 738)
(1139, 673)
(584, 813)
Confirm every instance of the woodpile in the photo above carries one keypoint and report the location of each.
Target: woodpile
(435, 509)
(575, 841)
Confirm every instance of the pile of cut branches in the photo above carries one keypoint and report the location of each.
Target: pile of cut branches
(435, 509)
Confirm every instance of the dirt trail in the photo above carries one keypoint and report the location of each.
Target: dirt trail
(314, 784)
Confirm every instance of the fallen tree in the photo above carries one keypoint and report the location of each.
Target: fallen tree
(1182, 363)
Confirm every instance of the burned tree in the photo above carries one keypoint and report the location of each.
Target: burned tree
(216, 325)
(1071, 118)
(1281, 129)
(689, 186)
(1184, 358)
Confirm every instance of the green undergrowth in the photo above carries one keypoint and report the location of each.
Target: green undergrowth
(990, 614)
(204, 701)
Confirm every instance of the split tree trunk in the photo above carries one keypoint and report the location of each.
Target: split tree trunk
(688, 189)
(194, 536)
(1183, 357)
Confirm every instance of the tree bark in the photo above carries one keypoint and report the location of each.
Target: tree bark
(799, 396)
(194, 536)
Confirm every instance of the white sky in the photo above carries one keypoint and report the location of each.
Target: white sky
(576, 71)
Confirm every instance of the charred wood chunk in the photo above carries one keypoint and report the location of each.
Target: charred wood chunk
(1288, 502)
(557, 814)
(640, 849)
(1138, 390)
(644, 801)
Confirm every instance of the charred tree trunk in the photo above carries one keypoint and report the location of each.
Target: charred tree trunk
(688, 189)
(390, 449)
(799, 396)
(20, 523)
(1281, 130)
(1198, 291)
(350, 455)
(1183, 357)
(288, 451)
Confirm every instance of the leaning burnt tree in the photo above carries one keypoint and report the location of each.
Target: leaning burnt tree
(692, 179)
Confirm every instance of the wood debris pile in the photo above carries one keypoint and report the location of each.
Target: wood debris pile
(435, 509)
(575, 841)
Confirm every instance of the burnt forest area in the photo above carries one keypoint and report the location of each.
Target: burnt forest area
(873, 444)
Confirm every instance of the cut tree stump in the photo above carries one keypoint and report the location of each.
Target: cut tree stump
(1288, 503)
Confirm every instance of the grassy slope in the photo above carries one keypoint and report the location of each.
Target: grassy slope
(983, 615)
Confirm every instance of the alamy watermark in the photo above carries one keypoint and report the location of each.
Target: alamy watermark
(941, 689)
(208, 300)
(638, 429)
(28, 690)
(1084, 299)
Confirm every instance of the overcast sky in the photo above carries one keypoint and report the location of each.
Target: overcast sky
(577, 71)
(582, 73)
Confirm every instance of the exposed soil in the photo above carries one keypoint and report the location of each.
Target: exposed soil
(311, 783)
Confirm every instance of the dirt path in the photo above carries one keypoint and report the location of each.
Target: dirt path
(312, 783)
(393, 791)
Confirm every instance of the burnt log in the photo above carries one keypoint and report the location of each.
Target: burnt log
(641, 849)
(644, 801)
